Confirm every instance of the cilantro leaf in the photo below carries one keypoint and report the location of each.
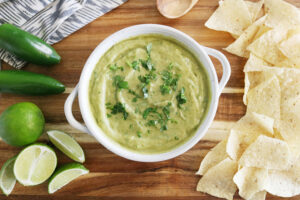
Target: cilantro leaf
(139, 134)
(166, 110)
(165, 89)
(145, 92)
(120, 83)
(149, 110)
(181, 98)
(158, 118)
(134, 65)
(118, 108)
(149, 48)
(170, 82)
(114, 67)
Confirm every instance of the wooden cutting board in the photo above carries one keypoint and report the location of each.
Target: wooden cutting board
(112, 177)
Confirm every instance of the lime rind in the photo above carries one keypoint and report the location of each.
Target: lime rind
(64, 175)
(35, 167)
(67, 144)
(6, 172)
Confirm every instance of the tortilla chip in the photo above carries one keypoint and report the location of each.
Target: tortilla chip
(262, 30)
(246, 87)
(213, 157)
(246, 131)
(218, 181)
(255, 9)
(239, 46)
(284, 183)
(231, 16)
(265, 122)
(235, 36)
(265, 99)
(257, 75)
(253, 123)
(235, 145)
(266, 46)
(250, 181)
(281, 14)
(266, 152)
(259, 196)
(291, 49)
(255, 63)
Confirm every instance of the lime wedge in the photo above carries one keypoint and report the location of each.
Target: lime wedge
(67, 145)
(7, 177)
(64, 175)
(35, 164)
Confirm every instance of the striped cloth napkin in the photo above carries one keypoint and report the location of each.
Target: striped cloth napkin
(51, 20)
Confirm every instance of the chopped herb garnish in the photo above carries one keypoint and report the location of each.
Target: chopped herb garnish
(176, 138)
(120, 83)
(148, 131)
(147, 78)
(135, 94)
(134, 99)
(181, 98)
(131, 126)
(164, 127)
(151, 123)
(109, 115)
(132, 92)
(114, 67)
(148, 111)
(108, 105)
(134, 65)
(150, 65)
(118, 108)
(170, 66)
(149, 48)
(164, 89)
(147, 64)
(170, 82)
(166, 110)
(158, 118)
(145, 92)
(139, 134)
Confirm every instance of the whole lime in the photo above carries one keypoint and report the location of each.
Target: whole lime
(21, 124)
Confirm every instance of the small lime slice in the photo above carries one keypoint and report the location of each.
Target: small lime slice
(67, 145)
(64, 175)
(7, 177)
(35, 164)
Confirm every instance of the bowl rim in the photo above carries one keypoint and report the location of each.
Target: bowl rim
(91, 63)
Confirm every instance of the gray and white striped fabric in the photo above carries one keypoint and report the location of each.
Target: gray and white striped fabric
(51, 20)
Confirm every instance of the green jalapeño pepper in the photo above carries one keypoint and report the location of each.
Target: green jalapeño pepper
(27, 46)
(28, 83)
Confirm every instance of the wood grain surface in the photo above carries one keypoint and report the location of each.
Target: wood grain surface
(112, 177)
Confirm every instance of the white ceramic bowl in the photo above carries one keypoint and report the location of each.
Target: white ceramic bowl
(90, 127)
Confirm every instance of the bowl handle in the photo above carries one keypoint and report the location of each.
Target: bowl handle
(69, 114)
(225, 65)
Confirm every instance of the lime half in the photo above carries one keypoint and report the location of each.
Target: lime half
(67, 145)
(7, 177)
(64, 175)
(35, 164)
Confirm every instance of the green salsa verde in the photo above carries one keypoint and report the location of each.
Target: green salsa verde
(149, 93)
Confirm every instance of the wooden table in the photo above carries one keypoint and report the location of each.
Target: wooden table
(112, 177)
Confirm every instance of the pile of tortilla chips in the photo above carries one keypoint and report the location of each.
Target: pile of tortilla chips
(261, 153)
